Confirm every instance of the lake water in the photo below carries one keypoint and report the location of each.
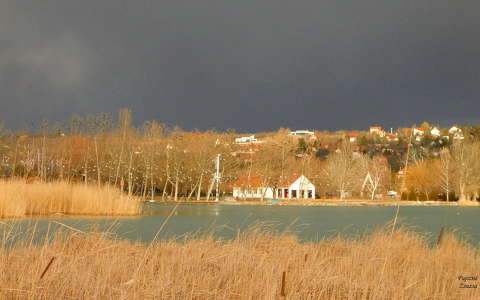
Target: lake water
(310, 223)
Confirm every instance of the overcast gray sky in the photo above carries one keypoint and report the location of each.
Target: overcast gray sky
(250, 65)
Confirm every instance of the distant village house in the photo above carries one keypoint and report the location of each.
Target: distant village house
(306, 134)
(456, 133)
(377, 130)
(352, 137)
(435, 132)
(418, 131)
(246, 140)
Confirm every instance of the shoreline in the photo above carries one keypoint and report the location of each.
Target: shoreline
(319, 202)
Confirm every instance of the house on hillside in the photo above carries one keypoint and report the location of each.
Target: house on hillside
(456, 133)
(391, 137)
(352, 137)
(415, 132)
(246, 140)
(418, 131)
(435, 132)
(378, 130)
(256, 186)
(307, 134)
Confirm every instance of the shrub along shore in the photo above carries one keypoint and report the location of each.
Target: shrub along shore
(19, 198)
(255, 265)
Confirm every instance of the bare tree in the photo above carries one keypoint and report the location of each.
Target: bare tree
(340, 169)
(466, 161)
(376, 173)
(445, 172)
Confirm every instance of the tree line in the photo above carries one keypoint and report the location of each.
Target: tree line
(156, 160)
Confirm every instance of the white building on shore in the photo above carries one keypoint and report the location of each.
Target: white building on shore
(255, 186)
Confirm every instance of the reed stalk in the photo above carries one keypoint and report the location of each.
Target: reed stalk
(96, 265)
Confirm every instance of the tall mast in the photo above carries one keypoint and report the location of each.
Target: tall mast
(217, 178)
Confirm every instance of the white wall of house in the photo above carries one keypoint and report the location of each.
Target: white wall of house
(418, 131)
(245, 140)
(377, 130)
(261, 192)
(302, 133)
(456, 132)
(435, 132)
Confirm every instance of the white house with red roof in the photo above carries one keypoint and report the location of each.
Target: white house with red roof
(418, 131)
(377, 130)
(252, 186)
(352, 137)
(294, 186)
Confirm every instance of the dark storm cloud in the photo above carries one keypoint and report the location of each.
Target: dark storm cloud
(250, 65)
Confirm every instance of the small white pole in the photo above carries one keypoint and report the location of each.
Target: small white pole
(217, 178)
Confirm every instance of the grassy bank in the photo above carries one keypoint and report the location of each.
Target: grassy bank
(19, 199)
(380, 266)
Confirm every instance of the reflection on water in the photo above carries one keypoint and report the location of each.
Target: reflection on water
(182, 209)
(310, 223)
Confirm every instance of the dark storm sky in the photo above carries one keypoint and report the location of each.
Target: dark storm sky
(249, 64)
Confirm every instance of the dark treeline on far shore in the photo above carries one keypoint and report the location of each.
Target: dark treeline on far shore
(155, 160)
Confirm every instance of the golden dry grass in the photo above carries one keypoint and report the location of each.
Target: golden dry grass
(18, 199)
(381, 266)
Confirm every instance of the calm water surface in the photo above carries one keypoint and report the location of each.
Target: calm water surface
(310, 223)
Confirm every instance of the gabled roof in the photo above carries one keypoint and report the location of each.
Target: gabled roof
(288, 180)
(415, 128)
(252, 181)
(257, 181)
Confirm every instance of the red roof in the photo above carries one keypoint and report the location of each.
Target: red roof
(418, 128)
(288, 180)
(252, 181)
(257, 180)
(390, 136)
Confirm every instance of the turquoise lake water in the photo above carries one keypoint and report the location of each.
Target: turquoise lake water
(310, 223)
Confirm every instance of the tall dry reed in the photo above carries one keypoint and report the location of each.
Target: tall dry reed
(18, 199)
(257, 265)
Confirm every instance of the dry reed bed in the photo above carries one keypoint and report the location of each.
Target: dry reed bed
(381, 266)
(18, 199)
